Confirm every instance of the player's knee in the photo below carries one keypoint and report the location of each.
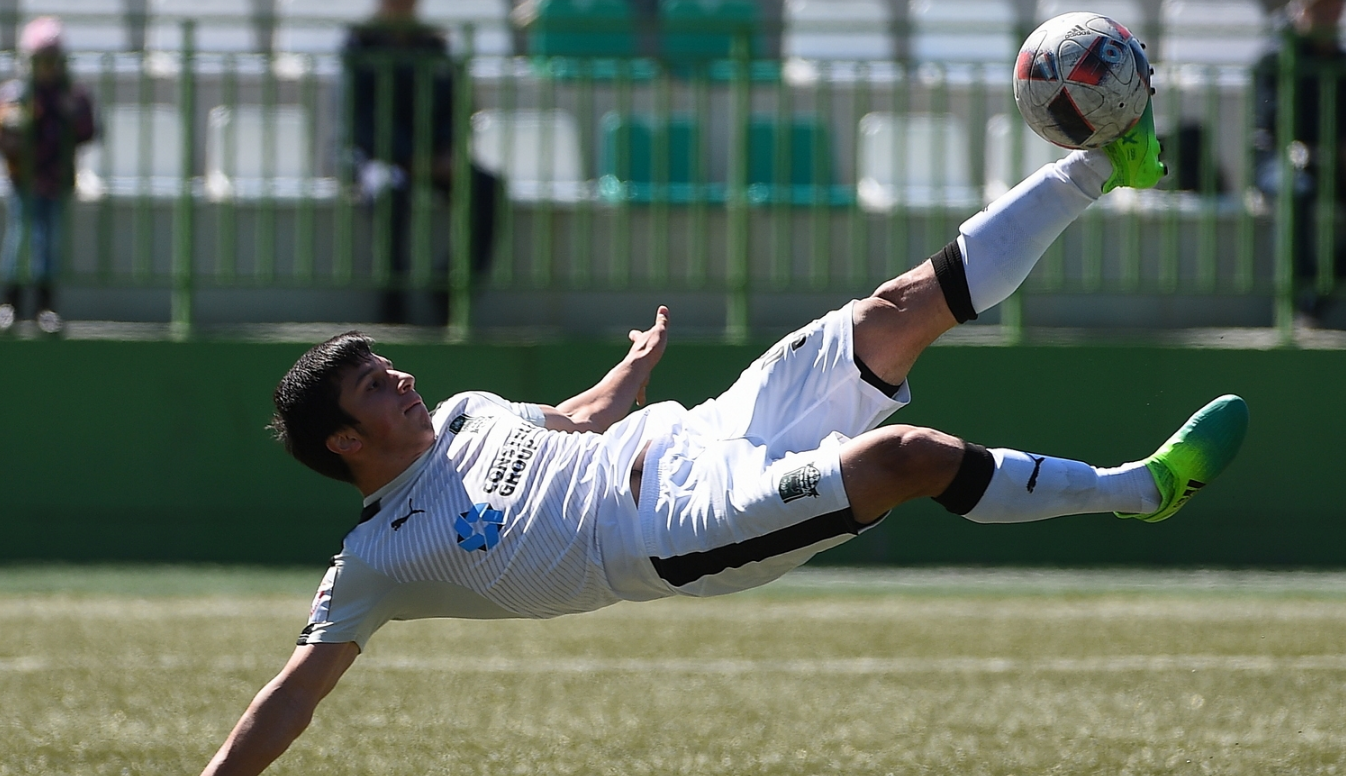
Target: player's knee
(924, 457)
(873, 312)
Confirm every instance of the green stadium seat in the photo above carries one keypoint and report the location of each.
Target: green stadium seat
(791, 162)
(788, 163)
(627, 161)
(582, 28)
(694, 31)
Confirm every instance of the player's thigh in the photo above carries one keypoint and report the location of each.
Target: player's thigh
(803, 388)
(733, 518)
(895, 325)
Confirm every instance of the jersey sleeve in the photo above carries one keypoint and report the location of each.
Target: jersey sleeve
(352, 602)
(529, 412)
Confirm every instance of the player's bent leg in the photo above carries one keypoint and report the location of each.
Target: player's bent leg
(992, 255)
(726, 515)
(1009, 486)
(899, 321)
(893, 464)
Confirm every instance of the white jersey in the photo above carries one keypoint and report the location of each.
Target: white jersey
(502, 518)
(498, 519)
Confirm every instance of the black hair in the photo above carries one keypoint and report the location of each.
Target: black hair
(308, 407)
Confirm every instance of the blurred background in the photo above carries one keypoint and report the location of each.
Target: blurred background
(498, 192)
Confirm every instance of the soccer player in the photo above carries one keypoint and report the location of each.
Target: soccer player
(487, 508)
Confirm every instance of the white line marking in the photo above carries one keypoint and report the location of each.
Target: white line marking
(866, 665)
(736, 666)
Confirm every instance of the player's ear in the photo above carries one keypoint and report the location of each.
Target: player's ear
(344, 441)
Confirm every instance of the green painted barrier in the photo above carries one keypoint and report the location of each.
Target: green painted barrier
(157, 450)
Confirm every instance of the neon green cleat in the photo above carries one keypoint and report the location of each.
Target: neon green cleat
(1196, 454)
(1135, 156)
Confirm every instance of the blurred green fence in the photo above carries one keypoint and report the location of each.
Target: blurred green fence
(704, 170)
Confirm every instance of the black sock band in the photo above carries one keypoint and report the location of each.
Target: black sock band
(953, 282)
(969, 484)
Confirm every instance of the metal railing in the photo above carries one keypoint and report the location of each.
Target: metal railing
(734, 178)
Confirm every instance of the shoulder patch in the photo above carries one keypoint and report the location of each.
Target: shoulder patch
(467, 424)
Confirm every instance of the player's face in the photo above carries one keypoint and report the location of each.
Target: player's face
(390, 415)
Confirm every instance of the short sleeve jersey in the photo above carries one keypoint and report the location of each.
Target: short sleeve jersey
(497, 519)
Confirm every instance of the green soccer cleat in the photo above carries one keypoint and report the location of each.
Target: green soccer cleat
(1135, 156)
(1196, 454)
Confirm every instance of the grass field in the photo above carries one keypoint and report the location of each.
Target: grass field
(143, 671)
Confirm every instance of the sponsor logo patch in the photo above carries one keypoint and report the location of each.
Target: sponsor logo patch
(512, 460)
(479, 528)
(799, 483)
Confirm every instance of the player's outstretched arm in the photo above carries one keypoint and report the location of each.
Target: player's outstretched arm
(282, 709)
(610, 400)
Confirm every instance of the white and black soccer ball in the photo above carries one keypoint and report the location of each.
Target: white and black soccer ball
(1081, 80)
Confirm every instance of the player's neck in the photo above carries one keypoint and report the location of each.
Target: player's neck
(376, 472)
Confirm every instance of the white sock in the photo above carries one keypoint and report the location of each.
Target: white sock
(1027, 487)
(1002, 243)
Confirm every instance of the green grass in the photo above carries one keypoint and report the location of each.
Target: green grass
(143, 671)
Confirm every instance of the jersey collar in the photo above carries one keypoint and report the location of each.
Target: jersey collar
(374, 501)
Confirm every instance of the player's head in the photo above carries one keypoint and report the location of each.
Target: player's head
(345, 412)
(308, 403)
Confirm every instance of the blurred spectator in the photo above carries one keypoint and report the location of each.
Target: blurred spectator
(43, 119)
(386, 52)
(1311, 29)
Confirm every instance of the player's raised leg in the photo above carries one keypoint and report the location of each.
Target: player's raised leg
(995, 250)
(893, 464)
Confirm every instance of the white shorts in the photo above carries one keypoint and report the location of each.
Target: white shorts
(750, 486)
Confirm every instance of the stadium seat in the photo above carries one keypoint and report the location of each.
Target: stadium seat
(222, 26)
(627, 162)
(837, 29)
(253, 151)
(1003, 170)
(700, 30)
(915, 160)
(1228, 32)
(963, 30)
(582, 28)
(798, 171)
(537, 152)
(139, 153)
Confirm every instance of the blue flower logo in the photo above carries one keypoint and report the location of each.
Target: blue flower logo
(479, 527)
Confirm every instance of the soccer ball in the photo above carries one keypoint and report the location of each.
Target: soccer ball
(1081, 80)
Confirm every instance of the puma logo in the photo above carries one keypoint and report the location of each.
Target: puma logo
(1033, 478)
(399, 522)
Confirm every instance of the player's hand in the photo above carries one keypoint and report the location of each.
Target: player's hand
(647, 347)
